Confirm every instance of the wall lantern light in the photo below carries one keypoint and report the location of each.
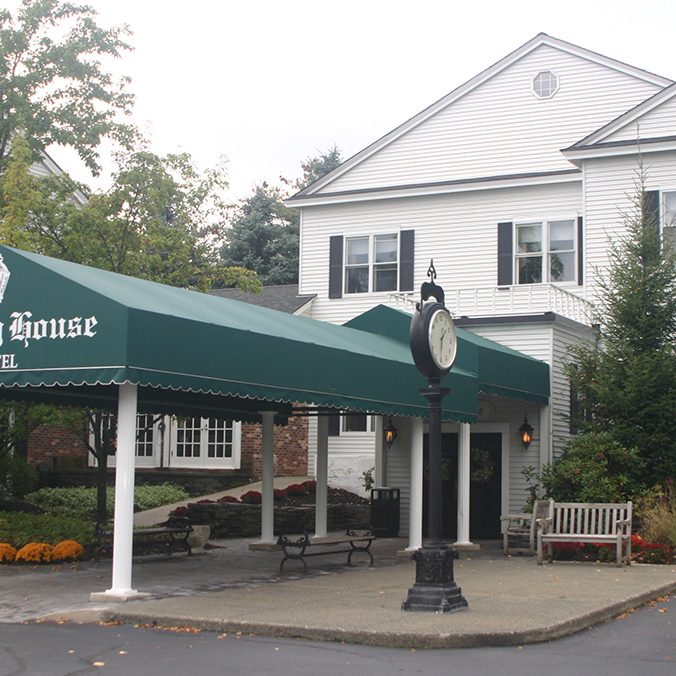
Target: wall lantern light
(526, 432)
(391, 433)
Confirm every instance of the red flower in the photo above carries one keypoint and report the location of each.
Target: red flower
(180, 511)
(228, 498)
(296, 489)
(252, 497)
(280, 493)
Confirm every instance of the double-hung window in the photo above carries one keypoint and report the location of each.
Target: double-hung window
(371, 263)
(545, 251)
(669, 218)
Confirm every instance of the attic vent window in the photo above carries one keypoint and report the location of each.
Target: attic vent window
(545, 84)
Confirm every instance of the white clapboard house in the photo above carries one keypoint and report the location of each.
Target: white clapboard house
(513, 183)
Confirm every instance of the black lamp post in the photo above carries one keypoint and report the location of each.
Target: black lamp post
(433, 345)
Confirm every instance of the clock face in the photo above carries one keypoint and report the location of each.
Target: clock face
(442, 339)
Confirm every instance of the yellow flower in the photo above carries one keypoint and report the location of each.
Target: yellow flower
(67, 550)
(7, 553)
(35, 552)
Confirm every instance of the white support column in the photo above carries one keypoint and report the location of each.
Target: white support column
(463, 484)
(416, 488)
(267, 479)
(121, 588)
(322, 476)
(381, 469)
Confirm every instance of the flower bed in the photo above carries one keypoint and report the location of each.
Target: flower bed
(294, 511)
(642, 551)
(41, 552)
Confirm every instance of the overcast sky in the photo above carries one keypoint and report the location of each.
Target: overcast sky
(269, 83)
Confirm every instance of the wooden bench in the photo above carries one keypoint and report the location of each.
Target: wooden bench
(523, 525)
(172, 534)
(596, 523)
(297, 548)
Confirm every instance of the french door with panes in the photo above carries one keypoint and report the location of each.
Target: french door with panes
(149, 429)
(205, 443)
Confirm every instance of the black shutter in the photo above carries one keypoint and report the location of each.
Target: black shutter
(651, 208)
(407, 255)
(505, 254)
(336, 266)
(334, 425)
(580, 251)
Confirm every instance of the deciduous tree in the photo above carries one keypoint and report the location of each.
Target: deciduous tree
(54, 83)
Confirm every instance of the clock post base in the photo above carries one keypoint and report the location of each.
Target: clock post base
(435, 590)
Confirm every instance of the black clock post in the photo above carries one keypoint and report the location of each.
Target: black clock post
(435, 589)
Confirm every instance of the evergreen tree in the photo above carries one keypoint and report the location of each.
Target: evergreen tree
(263, 234)
(627, 379)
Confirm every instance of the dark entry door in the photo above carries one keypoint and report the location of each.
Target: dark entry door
(485, 494)
(485, 484)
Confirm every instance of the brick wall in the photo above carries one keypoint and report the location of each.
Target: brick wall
(291, 443)
(291, 446)
(46, 443)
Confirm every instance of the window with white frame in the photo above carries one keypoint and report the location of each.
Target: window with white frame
(205, 442)
(357, 422)
(347, 423)
(545, 84)
(147, 437)
(669, 218)
(371, 263)
(545, 251)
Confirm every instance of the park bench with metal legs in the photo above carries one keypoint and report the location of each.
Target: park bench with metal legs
(170, 536)
(589, 522)
(301, 547)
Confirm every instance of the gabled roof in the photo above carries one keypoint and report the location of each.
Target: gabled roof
(597, 140)
(282, 297)
(462, 90)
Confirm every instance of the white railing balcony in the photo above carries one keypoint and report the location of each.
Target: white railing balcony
(525, 299)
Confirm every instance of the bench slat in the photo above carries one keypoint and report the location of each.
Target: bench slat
(587, 522)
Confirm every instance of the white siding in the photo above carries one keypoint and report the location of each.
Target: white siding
(459, 231)
(609, 186)
(398, 471)
(658, 122)
(350, 454)
(564, 337)
(501, 128)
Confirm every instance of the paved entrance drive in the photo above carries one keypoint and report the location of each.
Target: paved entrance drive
(511, 600)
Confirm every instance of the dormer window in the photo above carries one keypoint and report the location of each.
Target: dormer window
(545, 84)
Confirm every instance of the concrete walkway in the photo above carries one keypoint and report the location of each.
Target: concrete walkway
(511, 601)
(230, 589)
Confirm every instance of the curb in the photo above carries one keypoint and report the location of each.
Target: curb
(395, 640)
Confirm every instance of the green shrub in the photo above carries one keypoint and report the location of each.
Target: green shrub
(70, 502)
(149, 497)
(17, 477)
(656, 517)
(592, 468)
(81, 502)
(19, 529)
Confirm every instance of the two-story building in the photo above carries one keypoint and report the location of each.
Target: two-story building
(514, 183)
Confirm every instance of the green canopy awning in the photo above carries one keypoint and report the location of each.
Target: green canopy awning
(70, 332)
(500, 371)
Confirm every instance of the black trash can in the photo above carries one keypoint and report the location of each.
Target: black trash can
(385, 512)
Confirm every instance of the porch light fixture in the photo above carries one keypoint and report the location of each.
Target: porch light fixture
(526, 432)
(391, 433)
